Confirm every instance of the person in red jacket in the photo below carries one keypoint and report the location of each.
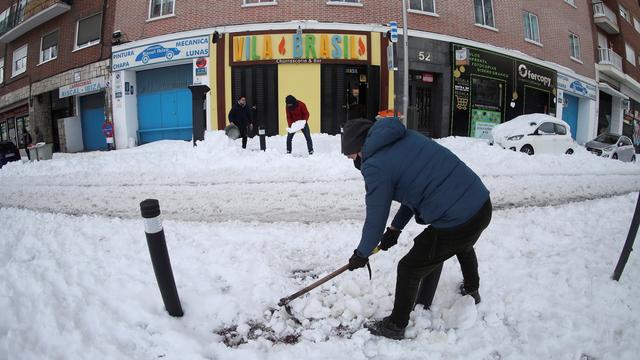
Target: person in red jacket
(297, 110)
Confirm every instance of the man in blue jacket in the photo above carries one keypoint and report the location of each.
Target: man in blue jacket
(430, 183)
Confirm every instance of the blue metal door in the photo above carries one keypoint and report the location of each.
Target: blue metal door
(570, 112)
(164, 104)
(92, 114)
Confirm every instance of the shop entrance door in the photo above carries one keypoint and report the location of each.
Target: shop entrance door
(260, 85)
(11, 130)
(419, 117)
(345, 95)
(536, 101)
(92, 114)
(570, 112)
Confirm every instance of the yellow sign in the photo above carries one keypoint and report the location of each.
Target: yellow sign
(300, 48)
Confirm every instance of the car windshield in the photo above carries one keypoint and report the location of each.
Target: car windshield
(607, 139)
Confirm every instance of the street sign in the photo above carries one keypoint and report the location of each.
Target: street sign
(394, 31)
(390, 60)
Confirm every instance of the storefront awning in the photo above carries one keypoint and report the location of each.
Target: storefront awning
(611, 91)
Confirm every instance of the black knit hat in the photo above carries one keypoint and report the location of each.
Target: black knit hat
(354, 132)
(290, 100)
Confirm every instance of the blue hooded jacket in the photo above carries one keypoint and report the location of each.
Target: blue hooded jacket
(427, 179)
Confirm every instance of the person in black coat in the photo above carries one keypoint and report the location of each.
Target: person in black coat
(26, 141)
(240, 116)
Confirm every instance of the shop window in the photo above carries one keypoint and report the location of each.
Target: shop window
(258, 2)
(49, 47)
(631, 54)
(484, 13)
(624, 13)
(161, 8)
(487, 93)
(19, 61)
(88, 31)
(574, 44)
(531, 29)
(425, 6)
(1, 70)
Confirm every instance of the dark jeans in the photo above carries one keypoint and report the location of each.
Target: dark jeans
(307, 136)
(430, 249)
(244, 132)
(26, 149)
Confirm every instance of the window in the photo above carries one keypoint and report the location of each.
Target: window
(560, 129)
(624, 13)
(88, 31)
(574, 44)
(571, 2)
(19, 61)
(1, 70)
(4, 20)
(427, 6)
(631, 54)
(19, 15)
(49, 47)
(547, 128)
(340, 1)
(625, 141)
(161, 8)
(531, 30)
(266, 2)
(484, 12)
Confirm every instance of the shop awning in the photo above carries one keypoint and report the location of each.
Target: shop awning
(611, 91)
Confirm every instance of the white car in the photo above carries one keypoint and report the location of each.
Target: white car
(535, 134)
(612, 146)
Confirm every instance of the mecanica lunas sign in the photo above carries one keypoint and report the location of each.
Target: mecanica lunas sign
(288, 48)
(186, 48)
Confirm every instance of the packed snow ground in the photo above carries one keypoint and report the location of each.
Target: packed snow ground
(218, 181)
(246, 228)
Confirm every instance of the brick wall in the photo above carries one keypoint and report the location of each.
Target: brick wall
(456, 18)
(67, 58)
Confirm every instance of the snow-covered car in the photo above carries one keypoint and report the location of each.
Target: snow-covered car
(612, 146)
(157, 51)
(534, 134)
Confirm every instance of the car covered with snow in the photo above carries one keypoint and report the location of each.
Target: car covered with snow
(534, 134)
(612, 146)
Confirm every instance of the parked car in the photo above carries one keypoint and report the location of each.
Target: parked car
(8, 152)
(612, 146)
(534, 134)
(157, 51)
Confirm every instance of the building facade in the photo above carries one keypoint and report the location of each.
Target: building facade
(617, 37)
(55, 70)
(472, 64)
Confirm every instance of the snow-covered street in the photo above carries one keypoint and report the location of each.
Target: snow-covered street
(246, 228)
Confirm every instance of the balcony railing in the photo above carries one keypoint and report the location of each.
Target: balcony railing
(609, 57)
(605, 18)
(25, 15)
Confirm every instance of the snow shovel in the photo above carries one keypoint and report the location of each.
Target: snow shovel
(286, 300)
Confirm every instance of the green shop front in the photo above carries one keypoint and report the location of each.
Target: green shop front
(490, 88)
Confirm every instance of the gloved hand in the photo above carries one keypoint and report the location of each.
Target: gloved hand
(356, 261)
(389, 238)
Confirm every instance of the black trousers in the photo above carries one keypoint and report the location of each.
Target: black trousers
(244, 132)
(307, 136)
(430, 249)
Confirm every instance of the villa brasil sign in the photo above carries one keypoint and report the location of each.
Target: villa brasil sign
(299, 48)
(186, 48)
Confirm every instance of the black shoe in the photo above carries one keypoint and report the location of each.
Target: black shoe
(474, 294)
(386, 328)
(311, 152)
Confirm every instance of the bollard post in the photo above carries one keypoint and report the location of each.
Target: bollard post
(157, 244)
(263, 140)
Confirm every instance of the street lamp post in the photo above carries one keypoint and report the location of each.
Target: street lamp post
(405, 63)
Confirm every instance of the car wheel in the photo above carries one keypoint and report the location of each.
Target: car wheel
(615, 157)
(145, 59)
(169, 55)
(527, 149)
(569, 152)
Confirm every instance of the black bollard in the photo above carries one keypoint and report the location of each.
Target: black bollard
(150, 210)
(628, 245)
(263, 140)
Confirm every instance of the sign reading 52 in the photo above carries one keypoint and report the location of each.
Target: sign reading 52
(424, 56)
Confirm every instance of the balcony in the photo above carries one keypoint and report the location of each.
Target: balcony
(605, 18)
(26, 15)
(610, 64)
